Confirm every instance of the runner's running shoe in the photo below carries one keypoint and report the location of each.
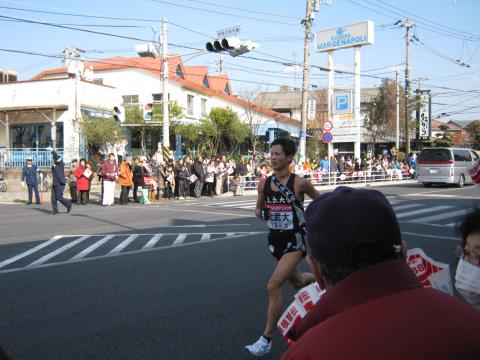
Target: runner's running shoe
(261, 347)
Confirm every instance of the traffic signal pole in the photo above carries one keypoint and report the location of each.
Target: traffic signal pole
(165, 110)
(306, 62)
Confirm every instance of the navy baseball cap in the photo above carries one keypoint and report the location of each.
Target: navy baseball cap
(351, 225)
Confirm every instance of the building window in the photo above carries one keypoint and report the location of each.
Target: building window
(179, 72)
(205, 82)
(158, 98)
(190, 104)
(204, 107)
(32, 136)
(130, 100)
(226, 90)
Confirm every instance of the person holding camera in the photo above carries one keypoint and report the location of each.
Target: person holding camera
(280, 202)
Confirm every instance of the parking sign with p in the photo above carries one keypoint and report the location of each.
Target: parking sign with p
(342, 102)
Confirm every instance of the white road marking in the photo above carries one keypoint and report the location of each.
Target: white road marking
(29, 252)
(205, 237)
(123, 244)
(423, 211)
(180, 239)
(47, 257)
(431, 236)
(407, 206)
(166, 247)
(446, 215)
(152, 242)
(92, 247)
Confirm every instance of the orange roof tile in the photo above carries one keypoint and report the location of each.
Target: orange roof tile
(196, 74)
(219, 82)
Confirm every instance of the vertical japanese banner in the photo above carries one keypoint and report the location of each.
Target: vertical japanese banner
(424, 118)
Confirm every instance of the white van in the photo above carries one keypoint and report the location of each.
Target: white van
(445, 166)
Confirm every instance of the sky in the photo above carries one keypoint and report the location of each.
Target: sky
(445, 55)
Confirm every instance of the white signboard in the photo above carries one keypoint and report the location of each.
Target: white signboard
(424, 119)
(344, 37)
(231, 31)
(342, 102)
(311, 109)
(344, 130)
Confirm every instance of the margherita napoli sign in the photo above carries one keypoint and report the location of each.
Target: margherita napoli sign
(344, 36)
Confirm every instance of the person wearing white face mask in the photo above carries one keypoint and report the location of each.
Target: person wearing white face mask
(467, 277)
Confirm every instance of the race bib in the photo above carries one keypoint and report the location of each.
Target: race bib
(280, 217)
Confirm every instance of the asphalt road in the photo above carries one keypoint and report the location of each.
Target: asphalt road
(175, 280)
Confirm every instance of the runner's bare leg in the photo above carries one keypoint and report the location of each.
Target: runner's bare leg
(283, 271)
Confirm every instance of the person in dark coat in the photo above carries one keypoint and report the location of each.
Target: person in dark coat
(183, 184)
(58, 184)
(137, 178)
(29, 176)
(200, 174)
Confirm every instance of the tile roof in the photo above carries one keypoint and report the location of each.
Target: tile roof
(292, 99)
(154, 65)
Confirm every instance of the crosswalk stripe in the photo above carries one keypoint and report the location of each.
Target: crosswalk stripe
(180, 239)
(451, 224)
(441, 216)
(92, 247)
(152, 242)
(29, 252)
(123, 244)
(423, 211)
(408, 206)
(205, 237)
(47, 257)
(247, 207)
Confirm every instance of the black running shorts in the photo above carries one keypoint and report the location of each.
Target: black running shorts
(282, 242)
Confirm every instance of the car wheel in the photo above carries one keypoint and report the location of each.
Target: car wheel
(461, 181)
(427, 185)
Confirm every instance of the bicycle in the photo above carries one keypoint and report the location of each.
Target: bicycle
(46, 182)
(3, 185)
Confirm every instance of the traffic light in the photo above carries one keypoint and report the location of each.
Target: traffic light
(119, 113)
(148, 111)
(233, 45)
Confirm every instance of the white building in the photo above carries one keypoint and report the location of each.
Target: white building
(138, 81)
(40, 113)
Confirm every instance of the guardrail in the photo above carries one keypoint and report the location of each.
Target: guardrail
(250, 182)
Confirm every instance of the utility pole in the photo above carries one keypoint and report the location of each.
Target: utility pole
(397, 138)
(408, 25)
(306, 63)
(166, 119)
(220, 64)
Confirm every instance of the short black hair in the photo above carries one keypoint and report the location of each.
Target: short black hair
(288, 146)
(469, 224)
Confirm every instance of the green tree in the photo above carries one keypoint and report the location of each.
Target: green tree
(474, 134)
(134, 117)
(381, 114)
(99, 132)
(446, 139)
(190, 134)
(224, 129)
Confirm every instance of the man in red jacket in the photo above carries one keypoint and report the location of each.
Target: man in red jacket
(374, 307)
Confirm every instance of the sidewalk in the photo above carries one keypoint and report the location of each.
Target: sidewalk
(21, 197)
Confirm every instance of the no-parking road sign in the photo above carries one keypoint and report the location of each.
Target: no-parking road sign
(327, 137)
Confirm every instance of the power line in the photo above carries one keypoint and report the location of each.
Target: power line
(223, 13)
(91, 31)
(246, 10)
(461, 32)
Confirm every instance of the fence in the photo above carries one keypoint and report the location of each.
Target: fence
(336, 178)
(15, 158)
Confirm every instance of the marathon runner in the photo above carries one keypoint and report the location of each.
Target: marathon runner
(285, 238)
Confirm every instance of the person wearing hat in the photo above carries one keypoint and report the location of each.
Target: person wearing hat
(374, 306)
(29, 176)
(286, 240)
(58, 184)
